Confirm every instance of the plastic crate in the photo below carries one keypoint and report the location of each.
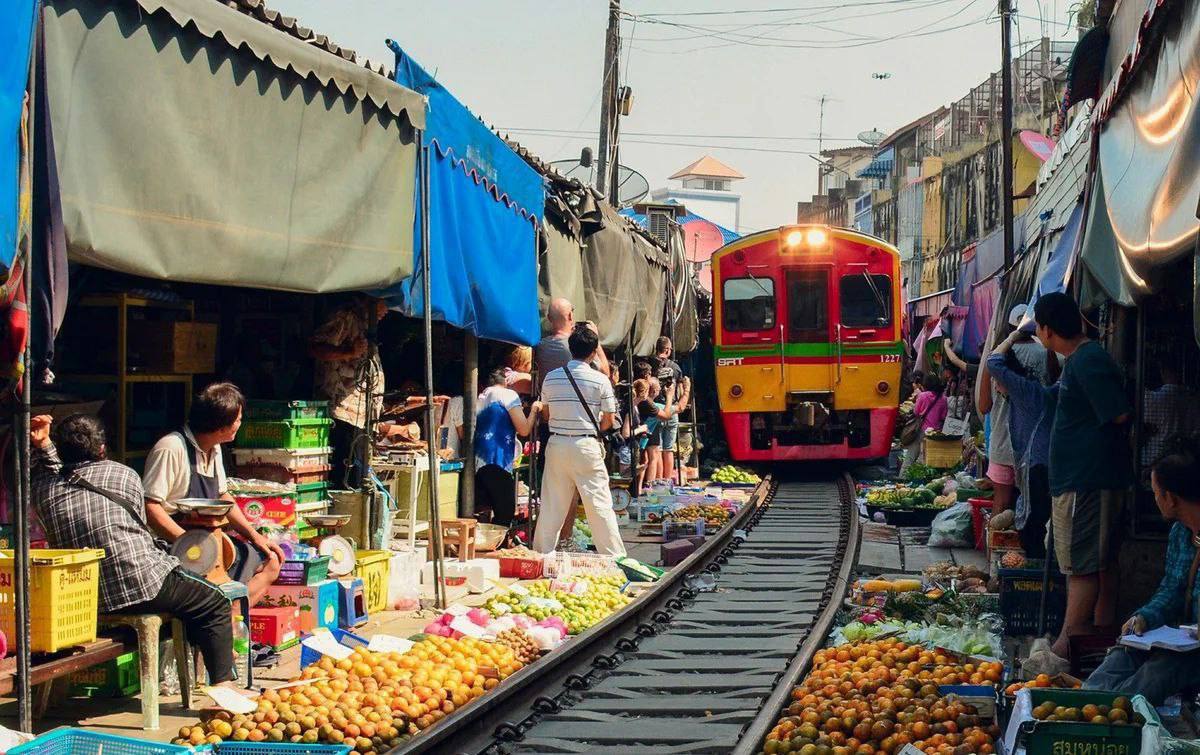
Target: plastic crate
(287, 433)
(83, 742)
(910, 517)
(1021, 595)
(278, 748)
(64, 600)
(673, 530)
(374, 568)
(966, 494)
(1051, 737)
(283, 475)
(561, 564)
(308, 656)
(307, 572)
(943, 454)
(258, 410)
(289, 458)
(312, 491)
(119, 677)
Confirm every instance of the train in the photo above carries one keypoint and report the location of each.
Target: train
(808, 344)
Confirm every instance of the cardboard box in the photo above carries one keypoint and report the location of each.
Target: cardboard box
(277, 627)
(173, 347)
(260, 510)
(318, 604)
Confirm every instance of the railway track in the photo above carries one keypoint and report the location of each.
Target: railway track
(688, 669)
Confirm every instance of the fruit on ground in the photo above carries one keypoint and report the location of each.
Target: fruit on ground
(880, 696)
(370, 701)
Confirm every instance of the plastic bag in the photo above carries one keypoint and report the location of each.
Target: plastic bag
(952, 528)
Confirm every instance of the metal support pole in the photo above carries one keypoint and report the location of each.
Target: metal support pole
(379, 539)
(435, 523)
(635, 448)
(21, 535)
(608, 98)
(470, 389)
(1006, 129)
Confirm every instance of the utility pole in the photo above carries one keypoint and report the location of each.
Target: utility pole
(1006, 129)
(821, 172)
(609, 113)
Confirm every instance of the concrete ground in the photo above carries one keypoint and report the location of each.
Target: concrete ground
(124, 716)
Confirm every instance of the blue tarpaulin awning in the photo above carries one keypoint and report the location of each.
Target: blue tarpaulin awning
(1057, 267)
(881, 165)
(16, 31)
(485, 205)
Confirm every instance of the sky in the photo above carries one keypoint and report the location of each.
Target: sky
(739, 80)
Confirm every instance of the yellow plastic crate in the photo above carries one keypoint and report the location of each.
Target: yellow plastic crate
(64, 597)
(943, 454)
(374, 569)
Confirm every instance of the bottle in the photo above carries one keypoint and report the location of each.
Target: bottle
(241, 646)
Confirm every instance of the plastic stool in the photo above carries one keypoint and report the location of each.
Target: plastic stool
(460, 532)
(149, 628)
(352, 605)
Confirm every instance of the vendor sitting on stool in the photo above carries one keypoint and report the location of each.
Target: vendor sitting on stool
(188, 464)
(1158, 674)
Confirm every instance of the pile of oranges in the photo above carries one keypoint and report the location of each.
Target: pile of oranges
(369, 701)
(1042, 681)
(873, 698)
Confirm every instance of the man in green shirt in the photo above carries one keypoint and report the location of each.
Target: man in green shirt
(1089, 467)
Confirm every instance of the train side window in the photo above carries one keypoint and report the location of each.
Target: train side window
(866, 300)
(808, 305)
(749, 303)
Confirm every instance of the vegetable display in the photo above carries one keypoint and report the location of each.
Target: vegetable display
(731, 474)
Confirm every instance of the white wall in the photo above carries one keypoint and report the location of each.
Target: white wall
(721, 207)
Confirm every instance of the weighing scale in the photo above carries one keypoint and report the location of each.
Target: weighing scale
(204, 549)
(342, 558)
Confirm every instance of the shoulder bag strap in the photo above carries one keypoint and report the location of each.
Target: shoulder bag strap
(582, 400)
(74, 478)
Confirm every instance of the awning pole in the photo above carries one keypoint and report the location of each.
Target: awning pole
(470, 388)
(20, 425)
(435, 523)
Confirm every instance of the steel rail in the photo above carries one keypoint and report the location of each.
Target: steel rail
(493, 710)
(756, 732)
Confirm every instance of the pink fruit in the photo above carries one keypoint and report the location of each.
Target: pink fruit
(479, 617)
(433, 628)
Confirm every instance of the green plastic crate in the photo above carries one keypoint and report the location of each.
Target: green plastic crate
(116, 678)
(1052, 737)
(262, 410)
(966, 494)
(312, 491)
(287, 433)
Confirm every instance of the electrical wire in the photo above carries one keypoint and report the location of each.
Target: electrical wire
(577, 131)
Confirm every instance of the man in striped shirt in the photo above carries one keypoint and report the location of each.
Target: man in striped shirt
(574, 453)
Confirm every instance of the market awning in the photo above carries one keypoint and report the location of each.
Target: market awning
(1056, 270)
(686, 328)
(610, 278)
(1100, 255)
(15, 36)
(652, 299)
(1149, 150)
(560, 274)
(881, 165)
(485, 205)
(284, 167)
(931, 305)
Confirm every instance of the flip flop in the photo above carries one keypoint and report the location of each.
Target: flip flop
(263, 656)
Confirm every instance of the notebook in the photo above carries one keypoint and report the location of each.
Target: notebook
(1179, 639)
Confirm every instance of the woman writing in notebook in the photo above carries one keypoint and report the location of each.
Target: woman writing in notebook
(1158, 673)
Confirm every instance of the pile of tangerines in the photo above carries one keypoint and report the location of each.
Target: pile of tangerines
(873, 698)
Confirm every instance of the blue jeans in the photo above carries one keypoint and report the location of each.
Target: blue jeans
(1156, 674)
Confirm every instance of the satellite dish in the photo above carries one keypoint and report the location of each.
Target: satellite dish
(632, 186)
(872, 137)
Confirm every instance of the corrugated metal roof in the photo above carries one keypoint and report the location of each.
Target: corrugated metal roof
(288, 45)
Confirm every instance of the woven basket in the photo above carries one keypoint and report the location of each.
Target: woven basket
(943, 454)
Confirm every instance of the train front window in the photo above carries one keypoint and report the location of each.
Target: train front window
(866, 300)
(808, 305)
(749, 304)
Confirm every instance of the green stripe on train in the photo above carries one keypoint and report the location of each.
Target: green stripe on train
(807, 350)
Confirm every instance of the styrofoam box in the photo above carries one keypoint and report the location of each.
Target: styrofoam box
(477, 571)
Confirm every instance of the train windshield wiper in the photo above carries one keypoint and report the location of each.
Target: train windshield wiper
(883, 307)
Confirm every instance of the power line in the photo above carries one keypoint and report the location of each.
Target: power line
(726, 147)
(586, 132)
(742, 11)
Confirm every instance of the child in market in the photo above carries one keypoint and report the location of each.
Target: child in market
(931, 407)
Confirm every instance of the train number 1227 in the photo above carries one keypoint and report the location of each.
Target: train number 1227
(889, 358)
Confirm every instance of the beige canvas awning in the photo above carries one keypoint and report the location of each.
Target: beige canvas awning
(196, 143)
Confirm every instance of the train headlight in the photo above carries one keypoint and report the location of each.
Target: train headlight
(794, 238)
(735, 390)
(817, 237)
(883, 387)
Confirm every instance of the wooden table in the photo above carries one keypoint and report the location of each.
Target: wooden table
(45, 670)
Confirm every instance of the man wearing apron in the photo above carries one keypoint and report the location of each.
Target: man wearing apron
(188, 464)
